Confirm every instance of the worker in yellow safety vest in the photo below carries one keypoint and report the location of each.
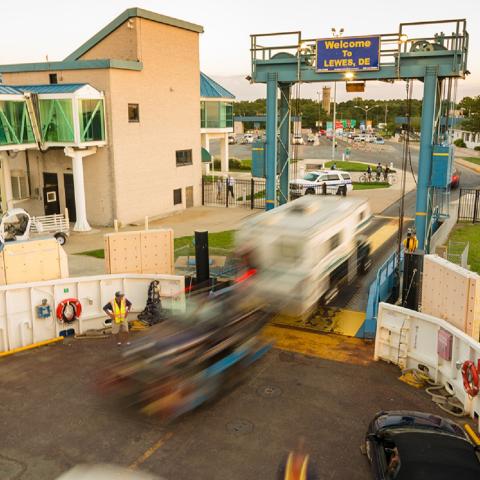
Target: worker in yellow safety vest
(410, 243)
(118, 310)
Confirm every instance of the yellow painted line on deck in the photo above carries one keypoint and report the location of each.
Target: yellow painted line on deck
(378, 238)
(327, 346)
(150, 451)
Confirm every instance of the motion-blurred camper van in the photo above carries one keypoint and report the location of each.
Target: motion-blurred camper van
(305, 250)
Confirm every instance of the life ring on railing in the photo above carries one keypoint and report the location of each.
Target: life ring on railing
(69, 310)
(470, 378)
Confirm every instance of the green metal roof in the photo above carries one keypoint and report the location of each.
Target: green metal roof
(122, 18)
(50, 88)
(71, 65)
(211, 89)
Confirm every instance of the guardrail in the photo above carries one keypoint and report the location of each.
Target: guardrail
(412, 339)
(382, 288)
(20, 324)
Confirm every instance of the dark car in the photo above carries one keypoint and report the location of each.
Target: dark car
(404, 445)
(455, 183)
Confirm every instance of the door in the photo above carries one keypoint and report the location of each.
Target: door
(51, 202)
(189, 197)
(70, 196)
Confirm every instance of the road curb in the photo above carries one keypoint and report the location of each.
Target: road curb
(467, 164)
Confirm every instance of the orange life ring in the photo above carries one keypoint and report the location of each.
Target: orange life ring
(470, 378)
(69, 310)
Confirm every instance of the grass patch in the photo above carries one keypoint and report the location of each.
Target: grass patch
(222, 241)
(369, 185)
(259, 194)
(349, 166)
(100, 253)
(475, 160)
(471, 234)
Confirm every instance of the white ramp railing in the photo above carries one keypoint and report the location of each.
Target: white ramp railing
(412, 339)
(20, 324)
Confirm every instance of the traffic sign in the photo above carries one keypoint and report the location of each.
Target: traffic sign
(348, 54)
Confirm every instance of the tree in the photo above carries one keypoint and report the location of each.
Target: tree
(471, 111)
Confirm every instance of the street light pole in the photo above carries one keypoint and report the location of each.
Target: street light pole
(334, 133)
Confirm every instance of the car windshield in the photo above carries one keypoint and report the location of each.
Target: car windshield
(311, 177)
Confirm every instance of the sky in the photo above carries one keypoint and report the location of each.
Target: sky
(33, 29)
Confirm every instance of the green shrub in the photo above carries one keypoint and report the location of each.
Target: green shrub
(459, 143)
(477, 148)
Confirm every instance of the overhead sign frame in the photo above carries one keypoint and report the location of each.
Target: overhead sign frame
(351, 55)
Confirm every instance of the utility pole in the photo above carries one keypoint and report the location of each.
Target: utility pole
(386, 111)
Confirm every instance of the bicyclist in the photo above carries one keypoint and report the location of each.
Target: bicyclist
(379, 171)
(369, 173)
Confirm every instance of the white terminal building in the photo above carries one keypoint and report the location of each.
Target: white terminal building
(112, 131)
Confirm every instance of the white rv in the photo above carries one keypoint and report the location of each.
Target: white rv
(305, 250)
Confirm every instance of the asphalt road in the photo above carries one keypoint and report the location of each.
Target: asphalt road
(355, 297)
(52, 418)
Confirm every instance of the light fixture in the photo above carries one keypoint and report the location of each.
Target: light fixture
(403, 38)
(349, 75)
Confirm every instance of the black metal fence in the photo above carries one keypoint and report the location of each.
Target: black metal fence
(250, 193)
(469, 205)
(247, 193)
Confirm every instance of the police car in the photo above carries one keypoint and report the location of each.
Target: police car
(312, 183)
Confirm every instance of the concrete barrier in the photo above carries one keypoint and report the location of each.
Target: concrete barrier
(21, 324)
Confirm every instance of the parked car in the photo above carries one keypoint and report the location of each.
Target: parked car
(232, 139)
(297, 140)
(312, 183)
(379, 141)
(455, 183)
(322, 132)
(414, 445)
(311, 138)
(247, 138)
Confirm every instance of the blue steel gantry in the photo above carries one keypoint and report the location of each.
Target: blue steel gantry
(430, 59)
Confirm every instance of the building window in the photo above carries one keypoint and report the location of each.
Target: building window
(133, 112)
(52, 77)
(177, 196)
(19, 187)
(183, 157)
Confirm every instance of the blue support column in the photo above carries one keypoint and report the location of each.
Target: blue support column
(271, 130)
(423, 209)
(284, 144)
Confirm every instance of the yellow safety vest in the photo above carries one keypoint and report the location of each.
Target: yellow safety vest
(411, 244)
(119, 311)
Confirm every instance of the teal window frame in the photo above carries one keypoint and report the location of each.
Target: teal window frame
(56, 119)
(91, 120)
(216, 114)
(15, 125)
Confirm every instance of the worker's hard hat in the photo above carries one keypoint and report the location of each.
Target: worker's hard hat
(119, 294)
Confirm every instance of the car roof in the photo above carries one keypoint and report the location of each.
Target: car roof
(323, 172)
(434, 455)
